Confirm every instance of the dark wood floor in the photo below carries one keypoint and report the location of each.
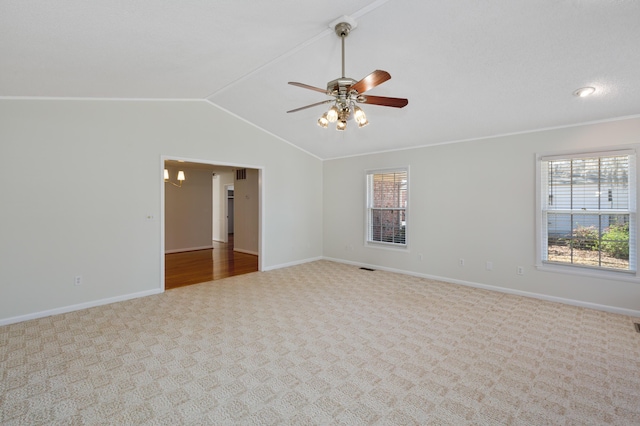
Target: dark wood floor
(193, 267)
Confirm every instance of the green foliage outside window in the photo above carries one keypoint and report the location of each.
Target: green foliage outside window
(614, 241)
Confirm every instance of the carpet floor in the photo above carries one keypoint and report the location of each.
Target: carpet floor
(323, 343)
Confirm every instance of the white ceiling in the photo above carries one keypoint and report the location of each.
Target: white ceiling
(470, 69)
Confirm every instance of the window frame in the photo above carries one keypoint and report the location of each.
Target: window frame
(369, 208)
(542, 192)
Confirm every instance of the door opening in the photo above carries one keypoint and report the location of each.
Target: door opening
(230, 208)
(224, 218)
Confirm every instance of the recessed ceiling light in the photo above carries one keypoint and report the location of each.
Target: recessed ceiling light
(584, 91)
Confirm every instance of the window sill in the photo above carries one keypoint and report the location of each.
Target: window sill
(630, 276)
(387, 246)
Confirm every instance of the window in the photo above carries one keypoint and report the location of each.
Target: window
(587, 215)
(387, 197)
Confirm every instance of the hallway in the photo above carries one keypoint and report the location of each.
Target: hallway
(193, 267)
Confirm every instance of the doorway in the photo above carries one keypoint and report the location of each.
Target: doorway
(225, 250)
(230, 209)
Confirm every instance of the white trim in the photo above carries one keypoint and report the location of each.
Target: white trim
(630, 150)
(280, 138)
(182, 250)
(387, 170)
(107, 301)
(367, 225)
(294, 263)
(369, 8)
(499, 135)
(208, 101)
(592, 272)
(71, 98)
(261, 189)
(216, 215)
(587, 154)
(571, 302)
(162, 224)
(454, 141)
(403, 248)
(79, 306)
(540, 241)
(245, 251)
(225, 234)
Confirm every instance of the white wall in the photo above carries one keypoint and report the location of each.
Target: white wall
(473, 200)
(80, 178)
(220, 198)
(188, 210)
(246, 219)
(217, 211)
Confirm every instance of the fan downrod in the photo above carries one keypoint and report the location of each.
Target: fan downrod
(342, 30)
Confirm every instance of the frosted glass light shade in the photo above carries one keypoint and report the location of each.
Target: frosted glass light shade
(181, 175)
(332, 114)
(323, 121)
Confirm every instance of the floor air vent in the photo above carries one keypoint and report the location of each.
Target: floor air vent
(637, 326)
(367, 269)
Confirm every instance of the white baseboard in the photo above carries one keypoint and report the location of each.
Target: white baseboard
(255, 253)
(180, 250)
(94, 303)
(297, 262)
(71, 308)
(572, 302)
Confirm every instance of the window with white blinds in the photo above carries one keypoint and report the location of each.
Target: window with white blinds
(387, 196)
(588, 210)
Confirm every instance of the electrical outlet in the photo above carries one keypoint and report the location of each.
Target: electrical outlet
(77, 280)
(520, 270)
(489, 266)
(420, 257)
(461, 262)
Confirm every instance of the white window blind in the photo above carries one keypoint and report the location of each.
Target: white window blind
(588, 214)
(387, 196)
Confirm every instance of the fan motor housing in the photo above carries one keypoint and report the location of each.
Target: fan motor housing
(340, 85)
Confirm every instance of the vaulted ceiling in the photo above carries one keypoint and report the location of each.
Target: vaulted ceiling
(470, 69)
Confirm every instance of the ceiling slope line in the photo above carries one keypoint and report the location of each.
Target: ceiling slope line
(210, 102)
(271, 62)
(357, 14)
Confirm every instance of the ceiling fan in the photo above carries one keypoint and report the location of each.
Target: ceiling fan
(346, 92)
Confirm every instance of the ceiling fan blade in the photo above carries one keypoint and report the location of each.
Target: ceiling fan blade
(312, 105)
(372, 80)
(306, 86)
(383, 101)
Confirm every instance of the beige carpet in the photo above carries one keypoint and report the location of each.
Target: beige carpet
(323, 343)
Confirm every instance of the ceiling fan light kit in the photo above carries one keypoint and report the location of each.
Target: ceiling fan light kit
(346, 92)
